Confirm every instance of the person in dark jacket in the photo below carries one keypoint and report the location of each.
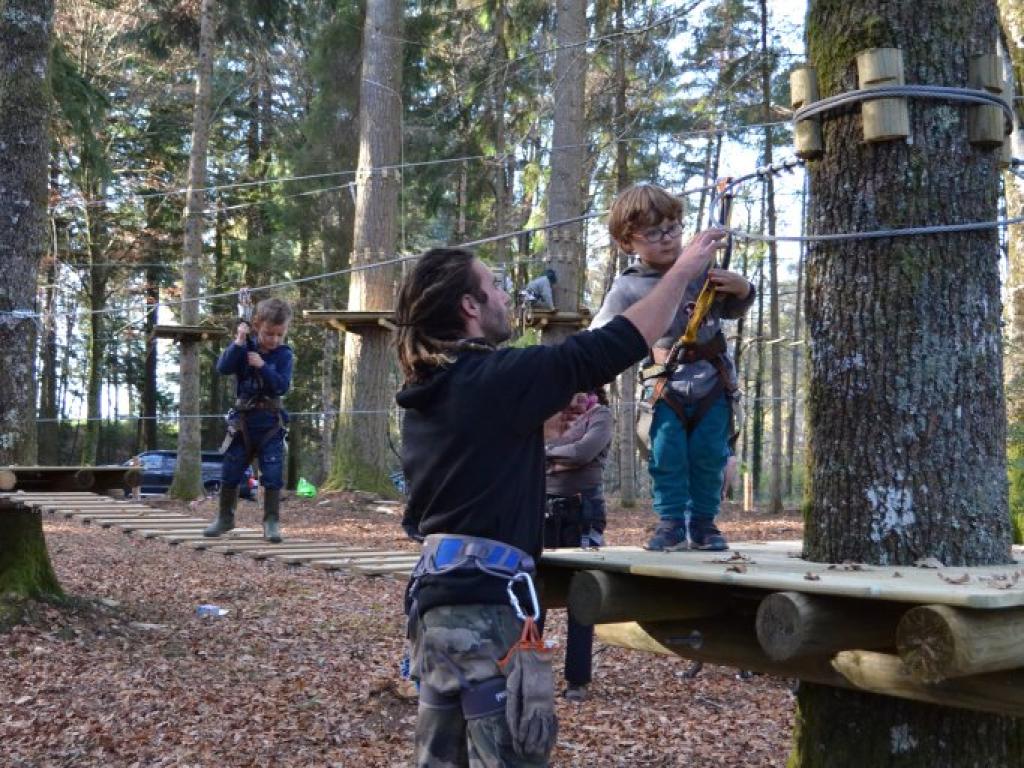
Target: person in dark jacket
(575, 514)
(473, 458)
(262, 366)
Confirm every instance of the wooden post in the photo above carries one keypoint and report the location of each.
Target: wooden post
(600, 597)
(795, 624)
(8, 479)
(803, 89)
(134, 478)
(1006, 152)
(729, 641)
(748, 493)
(84, 478)
(883, 119)
(937, 642)
(986, 124)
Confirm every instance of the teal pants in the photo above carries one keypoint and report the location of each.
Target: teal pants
(686, 470)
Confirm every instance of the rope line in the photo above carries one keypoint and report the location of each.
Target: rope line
(938, 92)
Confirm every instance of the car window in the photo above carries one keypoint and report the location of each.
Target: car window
(152, 462)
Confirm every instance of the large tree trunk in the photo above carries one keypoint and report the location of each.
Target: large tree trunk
(905, 407)
(188, 482)
(25, 28)
(361, 454)
(566, 194)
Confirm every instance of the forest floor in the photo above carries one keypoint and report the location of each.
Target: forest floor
(303, 669)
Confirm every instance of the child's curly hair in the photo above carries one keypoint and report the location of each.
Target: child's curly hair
(639, 207)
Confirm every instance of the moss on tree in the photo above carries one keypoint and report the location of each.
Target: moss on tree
(25, 570)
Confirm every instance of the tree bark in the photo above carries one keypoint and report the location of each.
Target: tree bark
(25, 31)
(188, 482)
(566, 194)
(905, 408)
(361, 454)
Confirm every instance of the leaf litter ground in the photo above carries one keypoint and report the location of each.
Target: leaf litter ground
(303, 669)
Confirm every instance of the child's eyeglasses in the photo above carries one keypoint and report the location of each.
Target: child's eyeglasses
(657, 234)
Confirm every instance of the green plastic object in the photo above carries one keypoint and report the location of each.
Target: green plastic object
(305, 488)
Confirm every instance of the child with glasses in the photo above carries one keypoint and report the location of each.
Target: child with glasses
(690, 429)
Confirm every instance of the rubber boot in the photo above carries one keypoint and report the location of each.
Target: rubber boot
(225, 521)
(271, 516)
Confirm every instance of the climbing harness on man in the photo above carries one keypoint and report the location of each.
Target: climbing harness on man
(525, 689)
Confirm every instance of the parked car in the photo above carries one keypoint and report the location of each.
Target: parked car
(158, 472)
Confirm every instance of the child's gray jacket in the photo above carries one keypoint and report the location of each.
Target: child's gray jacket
(691, 381)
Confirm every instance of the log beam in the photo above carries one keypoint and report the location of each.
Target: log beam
(726, 641)
(795, 624)
(882, 673)
(602, 597)
(937, 642)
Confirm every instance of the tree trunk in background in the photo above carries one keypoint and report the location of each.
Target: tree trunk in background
(96, 341)
(149, 429)
(502, 182)
(188, 483)
(1012, 17)
(566, 193)
(25, 29)
(48, 429)
(757, 411)
(905, 408)
(794, 373)
(361, 455)
(775, 481)
(625, 419)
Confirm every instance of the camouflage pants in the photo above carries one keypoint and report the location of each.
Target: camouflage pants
(455, 645)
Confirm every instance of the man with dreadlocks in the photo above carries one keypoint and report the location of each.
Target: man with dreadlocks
(473, 458)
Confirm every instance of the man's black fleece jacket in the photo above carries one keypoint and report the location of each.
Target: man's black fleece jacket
(473, 444)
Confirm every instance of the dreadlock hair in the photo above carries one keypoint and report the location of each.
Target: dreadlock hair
(429, 317)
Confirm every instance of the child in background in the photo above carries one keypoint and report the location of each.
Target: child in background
(691, 421)
(262, 367)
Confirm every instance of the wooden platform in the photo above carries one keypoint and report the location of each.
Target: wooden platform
(352, 322)
(948, 636)
(181, 333)
(176, 528)
(776, 566)
(69, 479)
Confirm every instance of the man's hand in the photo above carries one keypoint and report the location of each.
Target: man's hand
(242, 334)
(254, 359)
(726, 281)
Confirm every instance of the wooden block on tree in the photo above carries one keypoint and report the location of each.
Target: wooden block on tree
(792, 624)
(938, 642)
(600, 597)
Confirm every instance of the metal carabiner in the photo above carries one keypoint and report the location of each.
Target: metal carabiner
(523, 576)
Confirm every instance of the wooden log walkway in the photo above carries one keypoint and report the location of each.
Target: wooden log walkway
(180, 529)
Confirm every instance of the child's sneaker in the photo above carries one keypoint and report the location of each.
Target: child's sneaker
(705, 536)
(669, 536)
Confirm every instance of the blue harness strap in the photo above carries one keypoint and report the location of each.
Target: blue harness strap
(446, 552)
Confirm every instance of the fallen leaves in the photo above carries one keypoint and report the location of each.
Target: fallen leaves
(304, 669)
